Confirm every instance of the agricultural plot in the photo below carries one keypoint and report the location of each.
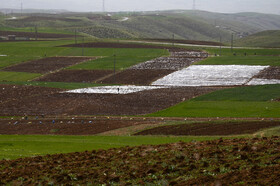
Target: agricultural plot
(90, 126)
(211, 75)
(250, 161)
(135, 76)
(46, 65)
(75, 76)
(178, 59)
(52, 102)
(211, 128)
(114, 89)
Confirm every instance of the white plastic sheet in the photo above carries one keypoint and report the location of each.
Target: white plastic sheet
(211, 75)
(114, 89)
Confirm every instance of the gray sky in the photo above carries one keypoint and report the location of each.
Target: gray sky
(225, 6)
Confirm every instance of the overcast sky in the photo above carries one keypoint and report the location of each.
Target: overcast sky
(225, 6)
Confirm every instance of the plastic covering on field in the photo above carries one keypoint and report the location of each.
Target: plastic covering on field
(114, 89)
(211, 75)
(258, 81)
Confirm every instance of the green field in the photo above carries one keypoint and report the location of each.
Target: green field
(16, 146)
(18, 52)
(251, 93)
(17, 76)
(254, 101)
(238, 109)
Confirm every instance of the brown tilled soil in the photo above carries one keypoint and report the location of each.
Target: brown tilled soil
(219, 162)
(47, 64)
(270, 73)
(65, 126)
(210, 129)
(51, 102)
(33, 35)
(193, 42)
(136, 77)
(75, 76)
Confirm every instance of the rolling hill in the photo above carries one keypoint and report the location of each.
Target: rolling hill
(187, 24)
(270, 38)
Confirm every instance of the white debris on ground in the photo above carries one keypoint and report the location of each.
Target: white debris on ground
(114, 89)
(3, 55)
(11, 18)
(211, 75)
(124, 19)
(258, 81)
(177, 60)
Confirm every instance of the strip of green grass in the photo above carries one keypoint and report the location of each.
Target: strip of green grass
(16, 146)
(17, 76)
(221, 109)
(241, 51)
(241, 60)
(62, 85)
(251, 93)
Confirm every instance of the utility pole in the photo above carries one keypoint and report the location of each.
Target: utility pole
(220, 44)
(75, 36)
(232, 42)
(36, 33)
(83, 46)
(103, 7)
(114, 68)
(173, 37)
(21, 8)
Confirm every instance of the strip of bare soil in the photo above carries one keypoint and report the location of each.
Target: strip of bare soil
(219, 162)
(65, 126)
(270, 73)
(136, 77)
(193, 42)
(54, 103)
(47, 64)
(210, 129)
(33, 34)
(75, 76)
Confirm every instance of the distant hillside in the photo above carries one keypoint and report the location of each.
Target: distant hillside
(190, 25)
(270, 38)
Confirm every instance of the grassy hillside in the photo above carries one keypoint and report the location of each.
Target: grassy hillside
(270, 38)
(192, 25)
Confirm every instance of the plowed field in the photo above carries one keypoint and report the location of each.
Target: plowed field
(47, 64)
(270, 73)
(51, 102)
(220, 162)
(75, 76)
(136, 77)
(187, 42)
(210, 129)
(66, 126)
